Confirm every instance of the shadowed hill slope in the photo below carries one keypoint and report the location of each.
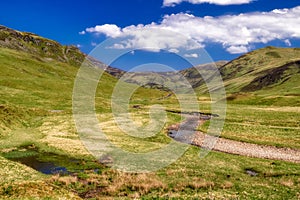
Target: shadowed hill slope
(250, 69)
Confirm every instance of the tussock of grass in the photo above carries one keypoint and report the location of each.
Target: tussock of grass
(35, 190)
(141, 183)
(111, 183)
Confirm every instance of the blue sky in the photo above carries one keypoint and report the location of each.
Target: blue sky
(233, 28)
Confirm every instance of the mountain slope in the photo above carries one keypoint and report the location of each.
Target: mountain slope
(275, 76)
(249, 66)
(48, 50)
(36, 81)
(268, 76)
(181, 80)
(194, 77)
(39, 46)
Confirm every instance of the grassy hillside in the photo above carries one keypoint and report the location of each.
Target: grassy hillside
(36, 119)
(268, 76)
(29, 85)
(262, 97)
(39, 46)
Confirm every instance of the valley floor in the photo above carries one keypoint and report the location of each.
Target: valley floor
(216, 176)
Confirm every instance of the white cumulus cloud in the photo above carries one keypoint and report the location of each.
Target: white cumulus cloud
(280, 11)
(167, 3)
(236, 33)
(109, 30)
(193, 55)
(237, 49)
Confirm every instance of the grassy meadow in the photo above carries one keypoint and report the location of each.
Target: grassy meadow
(36, 117)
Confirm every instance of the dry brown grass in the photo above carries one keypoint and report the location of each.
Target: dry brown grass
(139, 184)
(59, 132)
(113, 184)
(278, 109)
(287, 182)
(172, 172)
(65, 180)
(227, 185)
(194, 184)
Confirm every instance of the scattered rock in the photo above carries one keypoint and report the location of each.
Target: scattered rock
(251, 172)
(136, 106)
(106, 160)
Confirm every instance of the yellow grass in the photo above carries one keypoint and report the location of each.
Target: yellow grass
(59, 132)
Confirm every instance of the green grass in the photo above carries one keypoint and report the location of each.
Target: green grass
(247, 79)
(36, 105)
(225, 174)
(216, 176)
(275, 126)
(45, 91)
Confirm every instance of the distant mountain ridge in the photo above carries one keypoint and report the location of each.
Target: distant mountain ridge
(180, 80)
(269, 74)
(43, 48)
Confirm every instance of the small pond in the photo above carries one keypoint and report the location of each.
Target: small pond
(50, 163)
(45, 167)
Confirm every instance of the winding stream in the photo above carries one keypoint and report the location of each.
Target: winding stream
(190, 136)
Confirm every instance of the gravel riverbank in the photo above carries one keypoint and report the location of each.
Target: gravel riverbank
(229, 146)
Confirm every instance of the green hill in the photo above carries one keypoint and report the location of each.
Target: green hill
(268, 76)
(37, 77)
(40, 47)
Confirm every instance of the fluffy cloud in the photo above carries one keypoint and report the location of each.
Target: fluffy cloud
(236, 33)
(109, 30)
(217, 2)
(152, 37)
(193, 55)
(237, 49)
